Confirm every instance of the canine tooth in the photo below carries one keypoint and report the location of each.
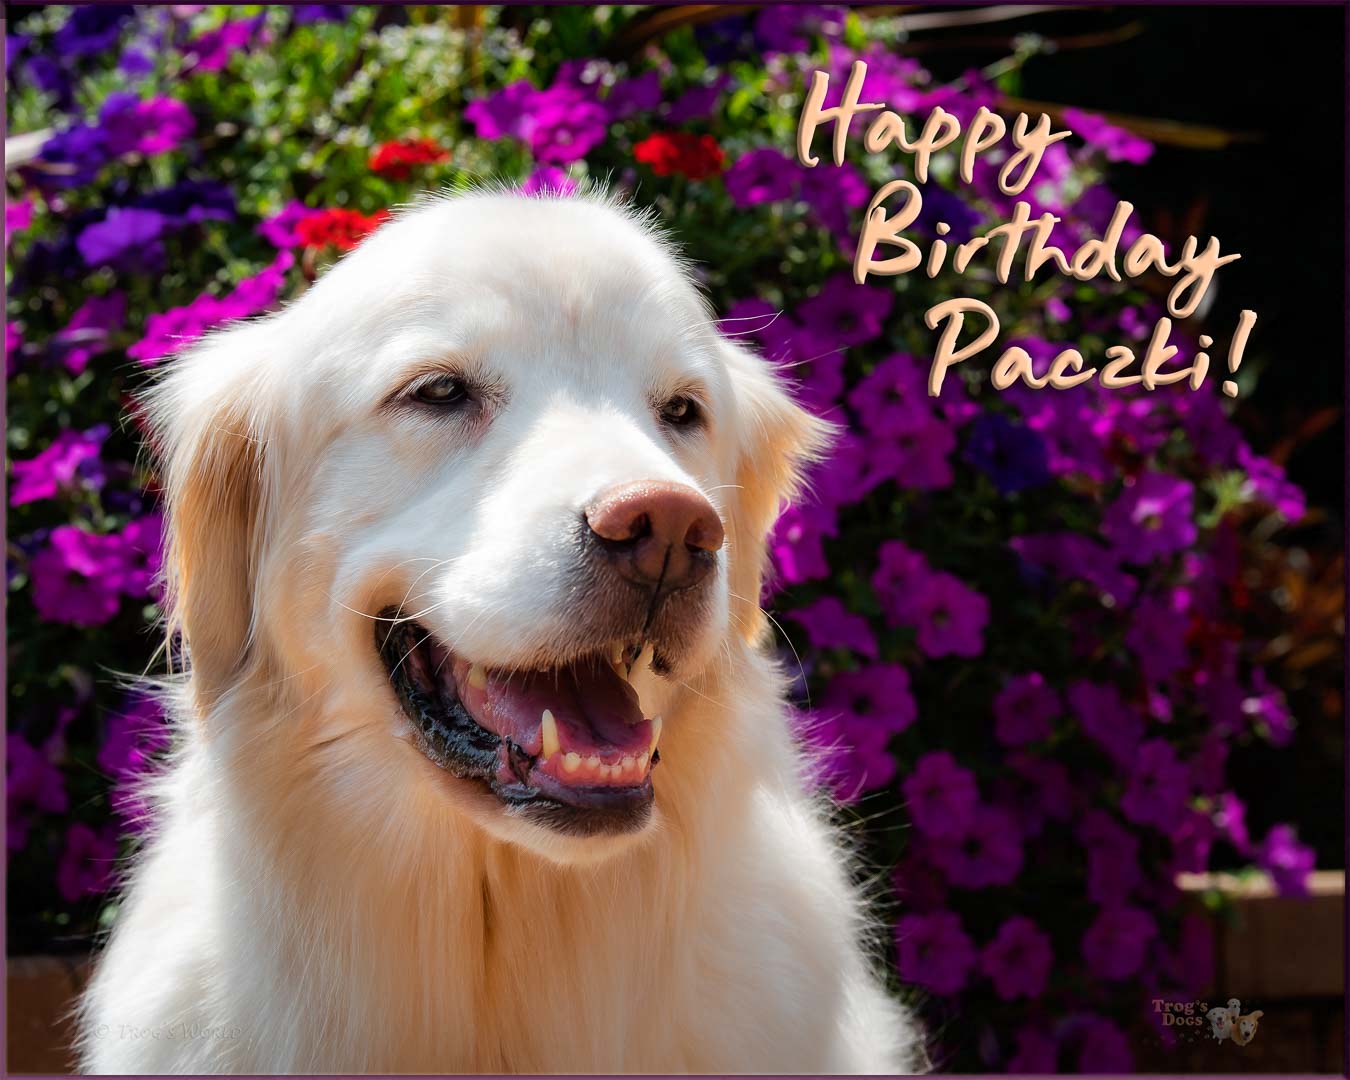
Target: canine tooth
(477, 677)
(642, 762)
(616, 657)
(571, 761)
(548, 728)
(645, 656)
(656, 732)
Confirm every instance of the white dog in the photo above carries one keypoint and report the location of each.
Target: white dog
(483, 768)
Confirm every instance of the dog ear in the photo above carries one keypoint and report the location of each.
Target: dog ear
(208, 437)
(1256, 1015)
(778, 438)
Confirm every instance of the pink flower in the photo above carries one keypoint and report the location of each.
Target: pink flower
(940, 795)
(829, 625)
(1024, 710)
(934, 951)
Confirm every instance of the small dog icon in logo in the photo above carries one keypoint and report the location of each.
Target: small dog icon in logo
(1222, 1020)
(1245, 1028)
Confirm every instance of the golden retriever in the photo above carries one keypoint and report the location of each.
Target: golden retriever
(482, 765)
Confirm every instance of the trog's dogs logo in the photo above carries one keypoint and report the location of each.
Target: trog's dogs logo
(1226, 1022)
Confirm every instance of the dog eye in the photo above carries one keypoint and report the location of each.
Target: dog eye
(681, 411)
(442, 390)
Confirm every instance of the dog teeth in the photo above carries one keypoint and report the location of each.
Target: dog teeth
(645, 656)
(571, 761)
(548, 729)
(656, 733)
(642, 762)
(477, 677)
(593, 762)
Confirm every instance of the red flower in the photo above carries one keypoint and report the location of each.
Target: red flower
(339, 228)
(396, 159)
(694, 156)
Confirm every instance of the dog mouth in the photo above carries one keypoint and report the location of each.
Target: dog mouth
(566, 747)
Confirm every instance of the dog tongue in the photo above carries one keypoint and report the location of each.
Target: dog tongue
(595, 710)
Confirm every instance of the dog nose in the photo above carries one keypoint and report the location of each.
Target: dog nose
(657, 532)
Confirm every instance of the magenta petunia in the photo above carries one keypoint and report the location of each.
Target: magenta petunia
(88, 862)
(1288, 862)
(940, 795)
(149, 127)
(950, 617)
(1158, 786)
(1116, 943)
(934, 951)
(877, 695)
(988, 851)
(1025, 709)
(1152, 518)
(71, 459)
(762, 176)
(1018, 959)
(88, 332)
(1115, 142)
(829, 625)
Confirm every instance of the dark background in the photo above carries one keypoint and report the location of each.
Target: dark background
(1276, 75)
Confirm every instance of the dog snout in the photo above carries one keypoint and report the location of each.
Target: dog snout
(657, 533)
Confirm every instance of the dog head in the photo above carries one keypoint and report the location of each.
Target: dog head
(1245, 1029)
(1221, 1020)
(493, 491)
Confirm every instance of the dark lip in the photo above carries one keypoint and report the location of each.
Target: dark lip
(451, 739)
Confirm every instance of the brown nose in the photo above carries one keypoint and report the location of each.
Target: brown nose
(657, 532)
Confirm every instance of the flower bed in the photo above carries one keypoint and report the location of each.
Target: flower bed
(1026, 641)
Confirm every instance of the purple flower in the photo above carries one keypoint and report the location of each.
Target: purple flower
(33, 780)
(144, 127)
(934, 950)
(72, 456)
(566, 126)
(1157, 633)
(18, 217)
(178, 327)
(918, 459)
(1288, 862)
(987, 852)
(1037, 1052)
(87, 863)
(850, 756)
(698, 102)
(1152, 518)
(136, 735)
(788, 28)
(190, 202)
(75, 578)
(828, 624)
(1192, 836)
(86, 335)
(124, 232)
(1267, 482)
(1012, 456)
(797, 543)
(641, 94)
(1105, 1048)
(505, 113)
(214, 48)
(761, 176)
(1158, 787)
(1106, 718)
(90, 29)
(1018, 960)
(548, 180)
(280, 229)
(843, 313)
(1074, 555)
(1267, 710)
(1230, 818)
(307, 14)
(76, 155)
(941, 795)
(950, 616)
(900, 574)
(893, 397)
(1024, 710)
(1113, 858)
(1115, 945)
(1117, 143)
(832, 194)
(877, 695)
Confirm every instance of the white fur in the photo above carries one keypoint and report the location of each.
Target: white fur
(317, 896)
